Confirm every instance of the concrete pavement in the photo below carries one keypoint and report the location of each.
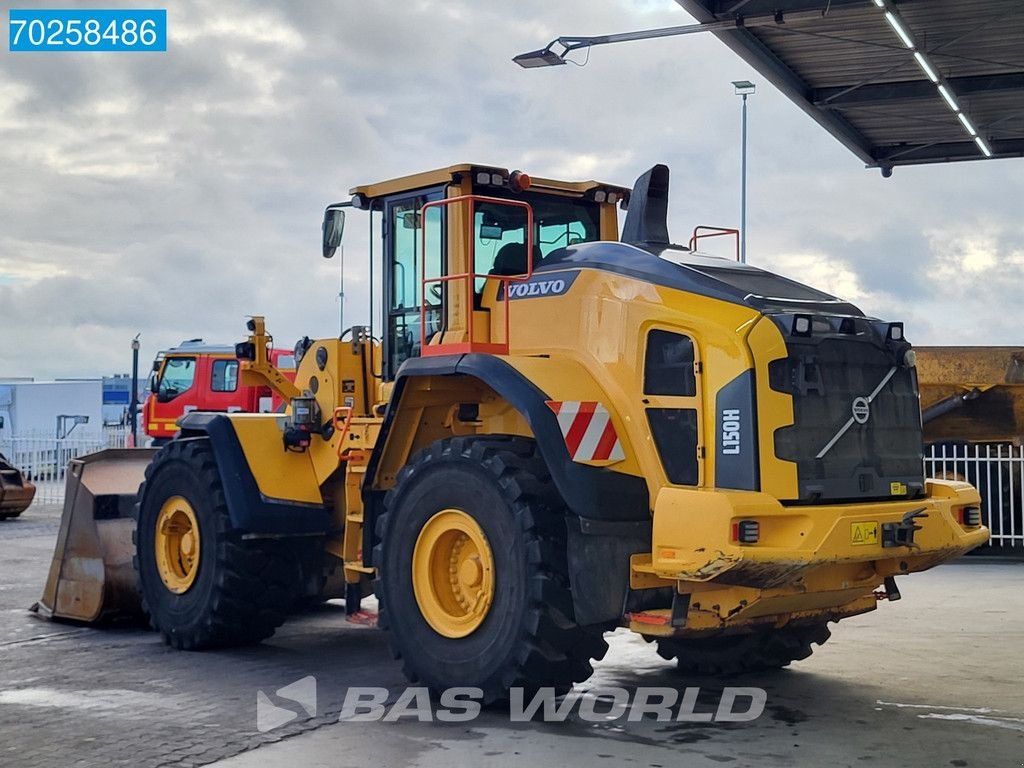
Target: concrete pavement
(933, 680)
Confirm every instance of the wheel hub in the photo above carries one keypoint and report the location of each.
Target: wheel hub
(176, 542)
(453, 573)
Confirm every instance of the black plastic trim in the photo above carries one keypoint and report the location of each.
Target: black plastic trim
(693, 273)
(736, 450)
(250, 510)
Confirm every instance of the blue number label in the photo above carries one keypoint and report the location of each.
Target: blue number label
(85, 29)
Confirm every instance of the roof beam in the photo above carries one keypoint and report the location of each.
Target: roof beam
(879, 93)
(761, 58)
(733, 8)
(909, 154)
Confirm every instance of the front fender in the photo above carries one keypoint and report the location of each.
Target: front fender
(285, 503)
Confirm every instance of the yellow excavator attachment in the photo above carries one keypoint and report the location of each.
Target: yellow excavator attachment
(16, 492)
(91, 576)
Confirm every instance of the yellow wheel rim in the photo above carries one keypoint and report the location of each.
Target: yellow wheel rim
(177, 544)
(453, 573)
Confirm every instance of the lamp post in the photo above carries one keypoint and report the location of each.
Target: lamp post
(133, 407)
(743, 88)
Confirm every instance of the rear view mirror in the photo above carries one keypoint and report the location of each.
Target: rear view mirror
(333, 227)
(491, 232)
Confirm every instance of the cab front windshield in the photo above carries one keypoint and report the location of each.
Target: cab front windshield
(176, 377)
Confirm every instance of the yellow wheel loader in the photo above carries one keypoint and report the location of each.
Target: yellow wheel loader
(561, 430)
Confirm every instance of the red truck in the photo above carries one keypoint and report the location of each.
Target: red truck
(196, 376)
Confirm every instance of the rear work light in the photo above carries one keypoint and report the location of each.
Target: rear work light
(746, 531)
(969, 517)
(802, 325)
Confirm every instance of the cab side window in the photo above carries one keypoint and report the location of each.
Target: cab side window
(224, 376)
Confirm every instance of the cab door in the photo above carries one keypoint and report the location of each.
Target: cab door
(175, 385)
(221, 391)
(406, 264)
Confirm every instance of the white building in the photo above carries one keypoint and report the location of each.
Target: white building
(50, 408)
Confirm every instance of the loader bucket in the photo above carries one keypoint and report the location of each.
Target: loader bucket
(16, 493)
(91, 576)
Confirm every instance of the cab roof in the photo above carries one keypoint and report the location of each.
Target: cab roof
(456, 172)
(200, 347)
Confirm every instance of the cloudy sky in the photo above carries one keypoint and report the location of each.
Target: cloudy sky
(174, 193)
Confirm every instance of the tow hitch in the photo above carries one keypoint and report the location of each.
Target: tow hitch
(891, 591)
(901, 534)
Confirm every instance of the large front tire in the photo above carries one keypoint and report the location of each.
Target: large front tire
(202, 585)
(473, 584)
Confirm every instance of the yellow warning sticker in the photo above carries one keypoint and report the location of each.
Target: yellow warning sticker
(897, 489)
(863, 533)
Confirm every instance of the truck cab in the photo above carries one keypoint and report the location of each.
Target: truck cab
(196, 376)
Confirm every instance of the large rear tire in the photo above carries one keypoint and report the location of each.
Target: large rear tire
(474, 587)
(735, 654)
(202, 585)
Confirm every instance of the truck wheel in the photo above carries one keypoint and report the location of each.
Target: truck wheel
(474, 587)
(201, 584)
(735, 654)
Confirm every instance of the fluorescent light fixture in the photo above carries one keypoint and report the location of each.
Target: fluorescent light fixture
(949, 98)
(967, 123)
(929, 71)
(922, 62)
(895, 24)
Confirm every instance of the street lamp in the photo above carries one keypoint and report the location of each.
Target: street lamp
(133, 408)
(554, 53)
(743, 88)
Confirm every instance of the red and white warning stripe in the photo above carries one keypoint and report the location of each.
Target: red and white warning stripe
(588, 430)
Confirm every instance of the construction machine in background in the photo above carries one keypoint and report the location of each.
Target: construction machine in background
(16, 492)
(972, 407)
(561, 431)
(972, 394)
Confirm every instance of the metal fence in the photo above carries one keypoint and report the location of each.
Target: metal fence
(997, 471)
(44, 458)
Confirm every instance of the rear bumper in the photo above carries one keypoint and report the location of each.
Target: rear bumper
(810, 563)
(693, 535)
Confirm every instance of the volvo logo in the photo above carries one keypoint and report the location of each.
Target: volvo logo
(861, 409)
(860, 412)
(542, 284)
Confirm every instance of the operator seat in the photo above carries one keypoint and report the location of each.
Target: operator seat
(511, 260)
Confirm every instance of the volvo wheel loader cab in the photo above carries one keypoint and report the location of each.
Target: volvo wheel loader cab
(561, 431)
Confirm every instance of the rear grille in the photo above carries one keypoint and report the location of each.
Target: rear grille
(857, 420)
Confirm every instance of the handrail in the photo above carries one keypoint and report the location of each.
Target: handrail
(470, 276)
(714, 232)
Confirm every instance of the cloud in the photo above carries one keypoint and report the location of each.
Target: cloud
(175, 193)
